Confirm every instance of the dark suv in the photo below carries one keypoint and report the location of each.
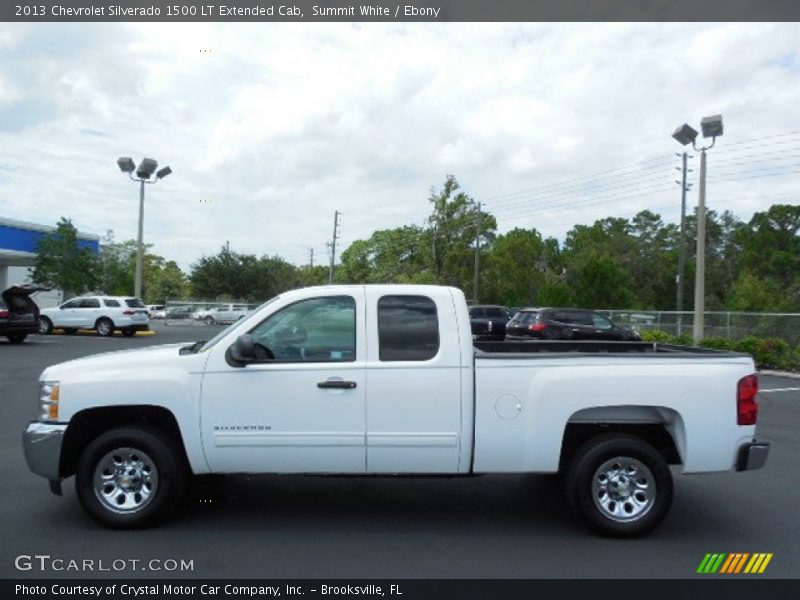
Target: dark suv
(19, 315)
(565, 324)
(489, 321)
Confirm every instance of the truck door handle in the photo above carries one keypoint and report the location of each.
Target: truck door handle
(337, 384)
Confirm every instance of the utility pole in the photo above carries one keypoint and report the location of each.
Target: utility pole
(699, 283)
(682, 243)
(477, 255)
(333, 243)
(311, 252)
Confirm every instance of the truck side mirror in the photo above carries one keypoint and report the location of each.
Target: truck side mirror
(244, 349)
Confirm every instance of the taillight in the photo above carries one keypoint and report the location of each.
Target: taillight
(129, 312)
(537, 327)
(3, 314)
(746, 405)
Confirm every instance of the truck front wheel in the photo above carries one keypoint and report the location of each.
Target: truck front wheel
(619, 485)
(129, 477)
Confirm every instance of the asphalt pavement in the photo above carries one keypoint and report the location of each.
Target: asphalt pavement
(509, 526)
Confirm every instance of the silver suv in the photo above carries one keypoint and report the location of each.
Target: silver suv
(104, 314)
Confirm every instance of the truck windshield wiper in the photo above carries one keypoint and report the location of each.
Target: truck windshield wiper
(193, 348)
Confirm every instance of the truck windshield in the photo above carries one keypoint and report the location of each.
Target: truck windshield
(210, 343)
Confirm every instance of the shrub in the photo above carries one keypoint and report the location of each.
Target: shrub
(656, 335)
(718, 343)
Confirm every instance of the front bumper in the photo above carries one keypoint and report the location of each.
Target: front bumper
(752, 456)
(42, 443)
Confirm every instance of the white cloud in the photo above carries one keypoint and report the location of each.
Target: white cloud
(269, 128)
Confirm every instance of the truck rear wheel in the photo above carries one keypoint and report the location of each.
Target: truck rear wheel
(130, 477)
(619, 485)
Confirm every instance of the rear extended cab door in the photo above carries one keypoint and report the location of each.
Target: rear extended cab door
(419, 380)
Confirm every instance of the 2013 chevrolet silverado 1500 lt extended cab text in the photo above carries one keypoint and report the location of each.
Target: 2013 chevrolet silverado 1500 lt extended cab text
(385, 379)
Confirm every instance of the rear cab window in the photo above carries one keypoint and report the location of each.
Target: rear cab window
(408, 328)
(134, 303)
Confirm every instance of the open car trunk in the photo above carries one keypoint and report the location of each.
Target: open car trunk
(18, 310)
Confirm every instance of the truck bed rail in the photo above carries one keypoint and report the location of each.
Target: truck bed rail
(524, 349)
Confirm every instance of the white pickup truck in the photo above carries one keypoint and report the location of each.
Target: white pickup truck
(386, 379)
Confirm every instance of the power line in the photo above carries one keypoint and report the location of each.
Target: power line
(574, 179)
(553, 208)
(612, 194)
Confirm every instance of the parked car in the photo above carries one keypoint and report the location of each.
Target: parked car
(385, 379)
(565, 324)
(489, 321)
(227, 313)
(19, 315)
(104, 314)
(180, 312)
(156, 311)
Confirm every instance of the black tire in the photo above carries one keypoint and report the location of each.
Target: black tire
(604, 506)
(45, 326)
(152, 447)
(128, 332)
(209, 320)
(104, 327)
(16, 338)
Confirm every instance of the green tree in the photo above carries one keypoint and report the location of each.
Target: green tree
(400, 255)
(115, 276)
(62, 263)
(751, 293)
(168, 283)
(231, 275)
(600, 281)
(453, 224)
(515, 268)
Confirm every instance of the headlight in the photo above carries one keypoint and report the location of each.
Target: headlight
(48, 400)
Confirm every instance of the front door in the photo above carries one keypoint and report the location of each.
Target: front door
(67, 314)
(300, 408)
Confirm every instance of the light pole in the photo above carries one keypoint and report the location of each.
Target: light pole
(712, 128)
(144, 172)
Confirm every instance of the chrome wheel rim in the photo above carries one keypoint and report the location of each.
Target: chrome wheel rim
(623, 489)
(43, 326)
(103, 328)
(125, 480)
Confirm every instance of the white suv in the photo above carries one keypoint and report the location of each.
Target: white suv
(105, 314)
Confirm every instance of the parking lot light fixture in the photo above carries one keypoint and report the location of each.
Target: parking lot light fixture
(146, 168)
(685, 134)
(126, 164)
(144, 172)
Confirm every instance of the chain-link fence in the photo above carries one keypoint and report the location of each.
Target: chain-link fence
(201, 312)
(732, 325)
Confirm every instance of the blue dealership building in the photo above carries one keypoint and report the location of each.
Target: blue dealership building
(18, 241)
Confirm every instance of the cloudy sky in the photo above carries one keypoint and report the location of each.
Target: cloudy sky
(269, 128)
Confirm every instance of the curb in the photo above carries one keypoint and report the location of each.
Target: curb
(787, 374)
(59, 331)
